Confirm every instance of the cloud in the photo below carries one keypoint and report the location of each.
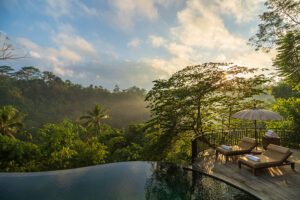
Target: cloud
(180, 50)
(241, 10)
(70, 8)
(255, 58)
(157, 41)
(123, 73)
(127, 11)
(69, 54)
(34, 54)
(201, 26)
(74, 42)
(58, 8)
(197, 34)
(201, 36)
(70, 49)
(134, 43)
(63, 72)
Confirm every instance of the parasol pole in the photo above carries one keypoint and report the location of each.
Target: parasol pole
(255, 134)
(255, 129)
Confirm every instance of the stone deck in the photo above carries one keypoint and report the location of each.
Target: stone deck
(273, 183)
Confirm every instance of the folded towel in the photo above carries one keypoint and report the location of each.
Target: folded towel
(254, 158)
(271, 135)
(226, 147)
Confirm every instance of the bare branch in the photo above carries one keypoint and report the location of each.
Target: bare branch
(7, 52)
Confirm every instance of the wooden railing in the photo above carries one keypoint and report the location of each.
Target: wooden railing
(214, 138)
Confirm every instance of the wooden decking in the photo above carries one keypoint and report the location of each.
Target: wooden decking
(273, 183)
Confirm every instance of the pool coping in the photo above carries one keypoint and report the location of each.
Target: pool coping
(189, 167)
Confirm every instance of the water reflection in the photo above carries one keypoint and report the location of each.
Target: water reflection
(129, 180)
(172, 182)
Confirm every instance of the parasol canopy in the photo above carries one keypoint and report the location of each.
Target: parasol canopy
(257, 114)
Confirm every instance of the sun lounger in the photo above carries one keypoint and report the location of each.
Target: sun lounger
(274, 156)
(244, 147)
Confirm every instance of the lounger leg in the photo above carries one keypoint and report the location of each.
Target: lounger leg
(240, 164)
(254, 171)
(293, 165)
(217, 153)
(226, 159)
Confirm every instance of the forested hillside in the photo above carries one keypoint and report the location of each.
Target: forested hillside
(46, 98)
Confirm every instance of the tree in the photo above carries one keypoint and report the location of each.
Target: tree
(94, 117)
(63, 147)
(280, 28)
(28, 73)
(188, 103)
(7, 51)
(4, 70)
(290, 110)
(284, 91)
(116, 89)
(10, 120)
(281, 17)
(237, 91)
(287, 60)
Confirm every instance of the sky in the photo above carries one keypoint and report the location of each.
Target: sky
(130, 42)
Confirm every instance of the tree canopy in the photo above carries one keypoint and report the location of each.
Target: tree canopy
(190, 101)
(281, 16)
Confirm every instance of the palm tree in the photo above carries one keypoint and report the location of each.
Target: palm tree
(10, 120)
(95, 116)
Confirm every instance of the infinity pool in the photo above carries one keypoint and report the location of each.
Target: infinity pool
(127, 180)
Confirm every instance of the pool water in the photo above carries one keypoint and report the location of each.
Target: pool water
(127, 180)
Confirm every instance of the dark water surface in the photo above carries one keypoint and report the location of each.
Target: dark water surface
(127, 180)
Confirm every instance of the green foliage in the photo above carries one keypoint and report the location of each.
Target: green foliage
(10, 120)
(290, 110)
(280, 17)
(63, 147)
(17, 155)
(4, 70)
(192, 100)
(94, 117)
(280, 28)
(287, 61)
(129, 153)
(284, 91)
(48, 99)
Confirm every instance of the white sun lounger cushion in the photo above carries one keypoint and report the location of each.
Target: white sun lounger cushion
(226, 147)
(254, 158)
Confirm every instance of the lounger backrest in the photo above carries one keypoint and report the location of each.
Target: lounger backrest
(277, 152)
(247, 143)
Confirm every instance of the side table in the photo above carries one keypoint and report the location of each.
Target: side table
(270, 140)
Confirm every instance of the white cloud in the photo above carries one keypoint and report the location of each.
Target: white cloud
(70, 8)
(241, 10)
(201, 36)
(180, 50)
(134, 43)
(201, 26)
(70, 49)
(87, 10)
(29, 44)
(157, 41)
(74, 42)
(127, 11)
(255, 58)
(70, 55)
(34, 54)
(63, 72)
(58, 8)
